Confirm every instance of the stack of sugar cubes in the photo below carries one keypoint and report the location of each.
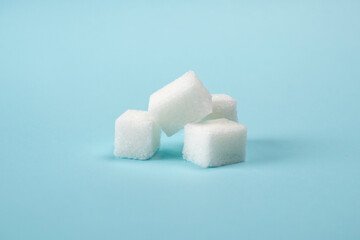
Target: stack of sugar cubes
(212, 135)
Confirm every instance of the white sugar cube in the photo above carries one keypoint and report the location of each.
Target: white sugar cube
(223, 106)
(136, 135)
(182, 101)
(214, 142)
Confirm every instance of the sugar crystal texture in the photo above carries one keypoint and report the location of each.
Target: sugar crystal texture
(136, 135)
(223, 106)
(215, 142)
(182, 101)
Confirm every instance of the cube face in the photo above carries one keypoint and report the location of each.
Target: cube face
(136, 135)
(183, 101)
(196, 145)
(227, 147)
(215, 143)
(223, 106)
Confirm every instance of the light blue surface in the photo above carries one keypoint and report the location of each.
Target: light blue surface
(69, 68)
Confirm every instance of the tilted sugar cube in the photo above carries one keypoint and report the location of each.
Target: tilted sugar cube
(223, 106)
(182, 101)
(136, 135)
(214, 142)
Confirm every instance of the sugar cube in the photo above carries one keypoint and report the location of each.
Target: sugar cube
(223, 106)
(136, 135)
(215, 142)
(182, 101)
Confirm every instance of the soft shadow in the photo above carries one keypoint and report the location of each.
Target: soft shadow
(112, 157)
(109, 157)
(264, 151)
(169, 151)
(258, 151)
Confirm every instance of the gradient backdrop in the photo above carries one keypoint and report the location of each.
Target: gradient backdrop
(68, 69)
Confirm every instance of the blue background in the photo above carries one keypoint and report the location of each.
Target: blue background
(68, 69)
